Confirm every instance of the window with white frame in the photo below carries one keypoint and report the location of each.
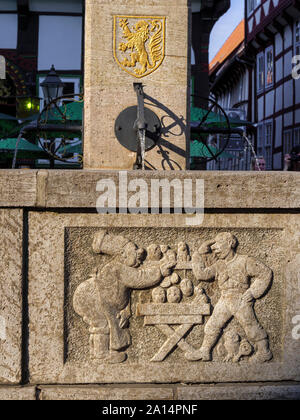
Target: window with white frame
(260, 72)
(287, 141)
(269, 60)
(265, 69)
(264, 143)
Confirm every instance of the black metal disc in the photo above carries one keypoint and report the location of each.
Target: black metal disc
(127, 134)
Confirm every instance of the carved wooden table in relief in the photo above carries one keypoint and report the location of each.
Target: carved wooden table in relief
(166, 315)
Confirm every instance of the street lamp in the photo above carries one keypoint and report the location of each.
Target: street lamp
(52, 86)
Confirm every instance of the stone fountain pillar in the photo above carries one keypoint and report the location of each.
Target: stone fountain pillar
(136, 42)
(151, 306)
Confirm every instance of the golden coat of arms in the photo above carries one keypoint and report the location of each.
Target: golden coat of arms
(139, 43)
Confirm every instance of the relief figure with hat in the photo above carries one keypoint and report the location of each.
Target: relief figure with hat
(103, 301)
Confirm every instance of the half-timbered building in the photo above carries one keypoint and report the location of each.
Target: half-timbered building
(272, 40)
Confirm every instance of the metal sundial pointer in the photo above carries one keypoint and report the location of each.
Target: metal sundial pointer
(140, 126)
(140, 123)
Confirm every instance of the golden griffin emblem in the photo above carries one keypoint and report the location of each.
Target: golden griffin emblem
(139, 43)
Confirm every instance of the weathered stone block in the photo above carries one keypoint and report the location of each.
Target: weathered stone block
(17, 393)
(241, 190)
(259, 391)
(77, 189)
(102, 313)
(105, 393)
(18, 188)
(11, 231)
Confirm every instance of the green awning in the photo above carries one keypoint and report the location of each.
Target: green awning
(198, 149)
(216, 120)
(72, 111)
(70, 149)
(26, 150)
(8, 126)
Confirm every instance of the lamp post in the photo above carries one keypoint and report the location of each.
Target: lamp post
(52, 86)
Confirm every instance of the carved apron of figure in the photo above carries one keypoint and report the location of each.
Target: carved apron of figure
(114, 297)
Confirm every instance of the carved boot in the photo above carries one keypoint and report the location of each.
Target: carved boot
(204, 353)
(116, 357)
(263, 353)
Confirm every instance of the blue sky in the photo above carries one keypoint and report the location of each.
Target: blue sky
(225, 26)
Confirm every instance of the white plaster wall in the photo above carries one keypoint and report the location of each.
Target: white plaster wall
(278, 131)
(277, 161)
(288, 119)
(288, 94)
(288, 37)
(270, 103)
(297, 90)
(297, 116)
(279, 69)
(260, 108)
(288, 64)
(278, 44)
(279, 99)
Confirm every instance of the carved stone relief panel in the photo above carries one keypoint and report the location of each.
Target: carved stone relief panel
(123, 299)
(180, 292)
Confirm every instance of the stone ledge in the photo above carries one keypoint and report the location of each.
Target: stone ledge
(256, 391)
(126, 392)
(276, 391)
(259, 391)
(17, 393)
(77, 188)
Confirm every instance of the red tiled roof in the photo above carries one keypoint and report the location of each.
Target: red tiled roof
(234, 40)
